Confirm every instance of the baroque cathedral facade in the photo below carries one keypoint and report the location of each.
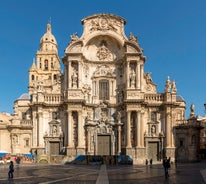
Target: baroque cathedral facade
(103, 103)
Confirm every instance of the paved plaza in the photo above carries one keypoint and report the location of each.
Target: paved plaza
(190, 173)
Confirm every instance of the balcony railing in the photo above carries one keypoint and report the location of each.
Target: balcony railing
(26, 122)
(154, 97)
(52, 98)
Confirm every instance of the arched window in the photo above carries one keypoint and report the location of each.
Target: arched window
(32, 77)
(55, 77)
(104, 89)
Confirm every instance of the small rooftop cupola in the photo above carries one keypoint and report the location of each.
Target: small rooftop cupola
(48, 41)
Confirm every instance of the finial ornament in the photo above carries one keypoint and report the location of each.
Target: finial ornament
(48, 27)
(174, 89)
(168, 85)
(192, 110)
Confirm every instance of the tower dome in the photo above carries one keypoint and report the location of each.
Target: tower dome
(48, 41)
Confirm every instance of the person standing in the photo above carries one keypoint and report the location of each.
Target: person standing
(150, 161)
(146, 162)
(11, 169)
(166, 165)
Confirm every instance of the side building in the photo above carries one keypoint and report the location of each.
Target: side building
(104, 103)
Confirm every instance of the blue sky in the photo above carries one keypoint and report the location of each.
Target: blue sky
(172, 34)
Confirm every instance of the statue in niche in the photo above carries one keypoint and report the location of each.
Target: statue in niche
(54, 130)
(15, 139)
(132, 79)
(74, 80)
(153, 129)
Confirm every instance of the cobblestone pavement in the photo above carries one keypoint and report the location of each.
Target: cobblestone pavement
(191, 173)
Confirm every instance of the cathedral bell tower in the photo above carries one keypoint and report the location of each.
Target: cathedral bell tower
(45, 91)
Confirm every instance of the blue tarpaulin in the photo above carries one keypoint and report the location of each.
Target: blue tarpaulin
(28, 155)
(2, 154)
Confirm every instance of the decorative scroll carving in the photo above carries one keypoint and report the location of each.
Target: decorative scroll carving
(86, 90)
(102, 23)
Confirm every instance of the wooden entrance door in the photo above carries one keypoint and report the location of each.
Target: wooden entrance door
(153, 148)
(54, 148)
(103, 145)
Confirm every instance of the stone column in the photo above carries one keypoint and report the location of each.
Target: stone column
(128, 130)
(88, 140)
(141, 76)
(35, 128)
(80, 130)
(40, 132)
(172, 135)
(141, 130)
(66, 81)
(80, 72)
(138, 76)
(70, 130)
(138, 129)
(69, 75)
(168, 134)
(119, 140)
(127, 74)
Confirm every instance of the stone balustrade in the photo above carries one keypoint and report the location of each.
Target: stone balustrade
(154, 97)
(52, 98)
(26, 122)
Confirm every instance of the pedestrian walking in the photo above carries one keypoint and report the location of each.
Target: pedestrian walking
(166, 165)
(146, 162)
(150, 161)
(11, 169)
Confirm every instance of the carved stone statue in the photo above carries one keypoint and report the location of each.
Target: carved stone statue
(132, 37)
(168, 85)
(118, 116)
(132, 79)
(74, 37)
(153, 129)
(174, 89)
(192, 110)
(148, 78)
(74, 80)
